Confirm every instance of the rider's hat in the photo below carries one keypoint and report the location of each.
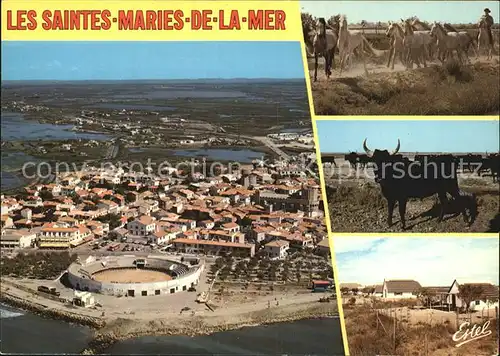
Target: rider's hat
(487, 10)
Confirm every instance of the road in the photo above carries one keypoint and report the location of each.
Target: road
(269, 143)
(112, 151)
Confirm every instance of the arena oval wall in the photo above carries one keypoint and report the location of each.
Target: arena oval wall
(80, 276)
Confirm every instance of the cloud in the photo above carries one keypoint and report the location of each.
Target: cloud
(430, 261)
(351, 244)
(75, 69)
(54, 64)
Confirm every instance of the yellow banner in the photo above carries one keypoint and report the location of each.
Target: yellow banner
(150, 20)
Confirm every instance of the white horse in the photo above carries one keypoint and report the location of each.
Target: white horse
(484, 39)
(466, 40)
(396, 34)
(432, 49)
(323, 42)
(348, 42)
(416, 45)
(452, 41)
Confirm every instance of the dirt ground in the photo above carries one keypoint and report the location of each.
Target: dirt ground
(131, 276)
(357, 205)
(368, 334)
(448, 89)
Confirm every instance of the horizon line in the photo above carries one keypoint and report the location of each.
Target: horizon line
(331, 153)
(150, 79)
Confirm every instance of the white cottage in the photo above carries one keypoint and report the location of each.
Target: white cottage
(487, 300)
(400, 289)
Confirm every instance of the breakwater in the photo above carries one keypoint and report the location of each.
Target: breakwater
(45, 311)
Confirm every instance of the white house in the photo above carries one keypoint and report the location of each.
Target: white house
(163, 237)
(487, 300)
(83, 299)
(400, 289)
(143, 226)
(34, 202)
(56, 236)
(231, 227)
(277, 250)
(378, 291)
(21, 238)
(108, 205)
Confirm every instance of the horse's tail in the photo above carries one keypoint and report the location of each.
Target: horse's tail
(369, 46)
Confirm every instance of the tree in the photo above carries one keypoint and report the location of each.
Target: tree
(368, 290)
(130, 198)
(114, 220)
(469, 293)
(363, 25)
(45, 195)
(344, 290)
(426, 296)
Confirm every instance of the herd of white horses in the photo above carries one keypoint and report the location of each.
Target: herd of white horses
(411, 46)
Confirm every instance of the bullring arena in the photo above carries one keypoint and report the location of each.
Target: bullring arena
(134, 276)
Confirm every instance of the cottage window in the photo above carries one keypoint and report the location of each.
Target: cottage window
(477, 302)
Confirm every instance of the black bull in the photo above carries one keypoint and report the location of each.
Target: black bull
(401, 179)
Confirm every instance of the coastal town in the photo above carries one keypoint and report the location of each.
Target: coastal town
(257, 236)
(240, 213)
(156, 208)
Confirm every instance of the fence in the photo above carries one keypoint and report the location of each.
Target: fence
(399, 321)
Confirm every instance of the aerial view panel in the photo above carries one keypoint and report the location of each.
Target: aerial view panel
(162, 196)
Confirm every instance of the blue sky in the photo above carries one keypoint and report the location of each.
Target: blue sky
(415, 136)
(150, 60)
(433, 261)
(373, 11)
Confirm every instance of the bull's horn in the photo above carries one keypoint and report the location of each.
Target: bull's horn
(367, 150)
(397, 148)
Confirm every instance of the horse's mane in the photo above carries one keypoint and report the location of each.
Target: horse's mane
(449, 27)
(423, 24)
(407, 24)
(398, 26)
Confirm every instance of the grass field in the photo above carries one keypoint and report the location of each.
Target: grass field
(372, 334)
(436, 90)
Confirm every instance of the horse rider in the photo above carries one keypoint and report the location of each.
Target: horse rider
(486, 21)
